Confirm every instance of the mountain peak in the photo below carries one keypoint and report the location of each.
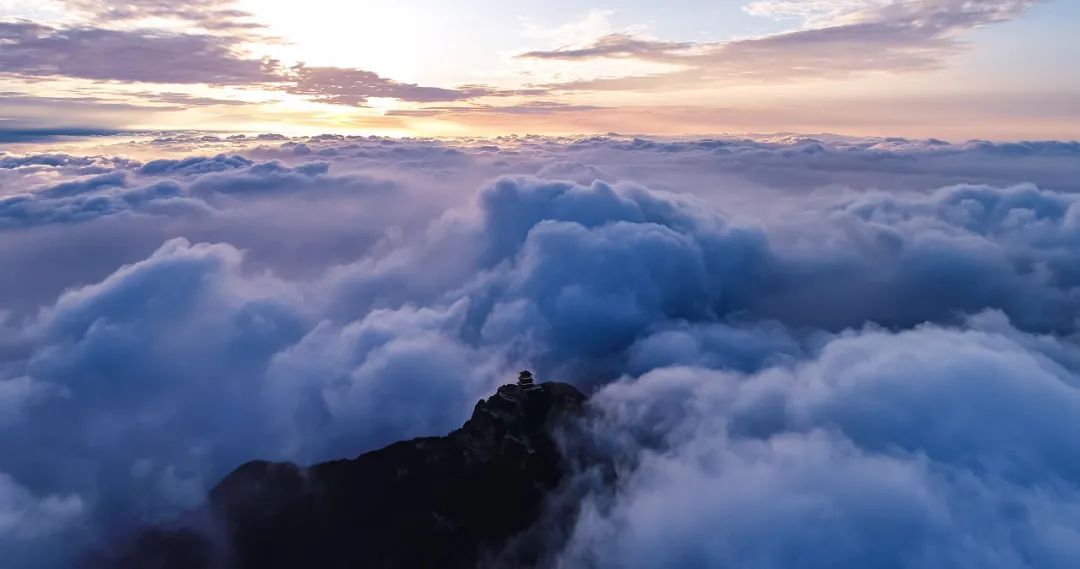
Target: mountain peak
(523, 410)
(442, 502)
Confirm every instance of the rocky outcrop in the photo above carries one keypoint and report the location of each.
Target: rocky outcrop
(437, 502)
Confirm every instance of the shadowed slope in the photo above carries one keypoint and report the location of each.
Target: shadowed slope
(428, 502)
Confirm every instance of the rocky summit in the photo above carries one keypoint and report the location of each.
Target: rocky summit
(436, 502)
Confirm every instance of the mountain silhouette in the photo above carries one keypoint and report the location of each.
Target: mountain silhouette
(432, 502)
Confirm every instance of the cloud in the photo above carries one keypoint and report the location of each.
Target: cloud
(37, 50)
(33, 118)
(193, 291)
(818, 13)
(203, 180)
(354, 87)
(69, 202)
(206, 14)
(193, 165)
(85, 185)
(394, 371)
(613, 45)
(526, 108)
(20, 393)
(208, 337)
(24, 516)
(798, 340)
(812, 11)
(889, 447)
(185, 101)
(34, 50)
(266, 177)
(56, 160)
(845, 38)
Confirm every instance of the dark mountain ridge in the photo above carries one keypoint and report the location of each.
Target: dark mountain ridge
(433, 502)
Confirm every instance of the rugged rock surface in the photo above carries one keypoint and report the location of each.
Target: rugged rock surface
(438, 502)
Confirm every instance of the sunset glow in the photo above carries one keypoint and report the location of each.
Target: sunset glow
(947, 69)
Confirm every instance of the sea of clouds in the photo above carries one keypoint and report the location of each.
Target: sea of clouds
(803, 352)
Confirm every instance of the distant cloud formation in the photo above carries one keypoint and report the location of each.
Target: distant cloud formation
(221, 15)
(843, 38)
(614, 45)
(791, 340)
(354, 87)
(527, 108)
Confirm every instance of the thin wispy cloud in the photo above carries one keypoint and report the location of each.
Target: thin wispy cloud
(615, 45)
(843, 38)
(218, 15)
(354, 87)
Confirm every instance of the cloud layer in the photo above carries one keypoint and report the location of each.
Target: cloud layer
(793, 341)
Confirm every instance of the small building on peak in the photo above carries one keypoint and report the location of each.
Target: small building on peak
(525, 378)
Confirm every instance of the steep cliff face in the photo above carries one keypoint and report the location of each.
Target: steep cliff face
(438, 502)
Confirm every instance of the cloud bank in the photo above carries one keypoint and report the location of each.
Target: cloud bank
(792, 341)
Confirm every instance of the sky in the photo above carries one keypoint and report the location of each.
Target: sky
(950, 69)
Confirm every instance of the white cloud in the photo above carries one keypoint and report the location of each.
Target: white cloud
(928, 447)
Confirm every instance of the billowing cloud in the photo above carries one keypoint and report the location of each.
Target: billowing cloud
(194, 165)
(930, 446)
(26, 518)
(883, 359)
(113, 192)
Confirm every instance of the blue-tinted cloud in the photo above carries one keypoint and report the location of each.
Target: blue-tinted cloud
(28, 134)
(197, 182)
(193, 165)
(932, 446)
(787, 351)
